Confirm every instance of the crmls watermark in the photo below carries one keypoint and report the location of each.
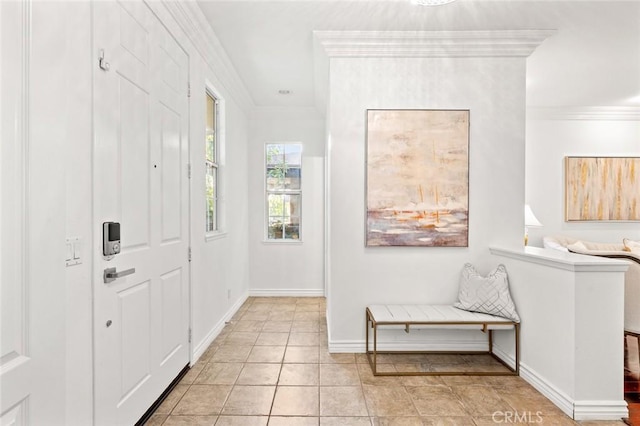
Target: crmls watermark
(517, 417)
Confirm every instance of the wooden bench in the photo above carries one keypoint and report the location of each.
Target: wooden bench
(437, 316)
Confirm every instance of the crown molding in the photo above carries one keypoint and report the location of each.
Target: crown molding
(604, 113)
(192, 21)
(426, 44)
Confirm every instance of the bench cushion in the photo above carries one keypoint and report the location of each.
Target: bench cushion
(442, 316)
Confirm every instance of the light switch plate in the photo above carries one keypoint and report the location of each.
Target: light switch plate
(73, 251)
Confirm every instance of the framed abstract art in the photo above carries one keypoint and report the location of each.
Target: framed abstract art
(417, 186)
(602, 189)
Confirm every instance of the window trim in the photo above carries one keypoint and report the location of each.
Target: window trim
(299, 192)
(219, 230)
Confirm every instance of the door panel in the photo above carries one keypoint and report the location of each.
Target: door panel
(134, 306)
(171, 335)
(171, 171)
(134, 164)
(141, 154)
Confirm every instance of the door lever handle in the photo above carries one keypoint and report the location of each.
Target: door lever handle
(110, 274)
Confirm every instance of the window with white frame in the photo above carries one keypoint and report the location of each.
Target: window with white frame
(283, 179)
(211, 163)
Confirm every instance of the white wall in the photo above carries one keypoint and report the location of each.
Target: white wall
(288, 269)
(551, 136)
(493, 89)
(220, 265)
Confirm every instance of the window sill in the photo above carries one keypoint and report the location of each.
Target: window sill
(286, 242)
(212, 236)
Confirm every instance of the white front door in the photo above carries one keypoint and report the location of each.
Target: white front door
(32, 225)
(141, 320)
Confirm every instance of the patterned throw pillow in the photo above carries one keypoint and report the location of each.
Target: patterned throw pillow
(489, 295)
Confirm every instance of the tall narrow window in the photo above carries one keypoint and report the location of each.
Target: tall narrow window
(283, 190)
(211, 166)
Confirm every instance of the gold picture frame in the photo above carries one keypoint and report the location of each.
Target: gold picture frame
(602, 189)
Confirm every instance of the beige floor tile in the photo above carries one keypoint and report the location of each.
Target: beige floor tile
(172, 399)
(342, 401)
(156, 420)
(339, 375)
(277, 326)
(248, 325)
(202, 400)
(229, 353)
(249, 401)
(481, 400)
(259, 374)
(305, 326)
(422, 380)
(256, 316)
(219, 373)
(301, 354)
(304, 339)
(345, 421)
(272, 339)
(362, 359)
(367, 377)
(293, 421)
(281, 316)
(190, 421)
(329, 358)
(466, 380)
(509, 418)
(448, 421)
(296, 401)
(284, 307)
(528, 400)
(261, 307)
(268, 354)
(397, 421)
(213, 347)
(242, 421)
(388, 401)
(299, 375)
(193, 372)
(437, 401)
(241, 338)
(306, 316)
(309, 307)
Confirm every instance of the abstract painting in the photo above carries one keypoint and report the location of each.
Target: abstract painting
(602, 189)
(417, 178)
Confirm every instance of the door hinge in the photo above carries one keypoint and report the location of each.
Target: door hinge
(189, 254)
(188, 89)
(104, 65)
(189, 335)
(189, 170)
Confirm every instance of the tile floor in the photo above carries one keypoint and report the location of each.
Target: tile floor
(271, 366)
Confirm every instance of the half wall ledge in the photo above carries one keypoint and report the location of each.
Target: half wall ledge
(572, 312)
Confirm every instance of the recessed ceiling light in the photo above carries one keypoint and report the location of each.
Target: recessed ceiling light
(284, 92)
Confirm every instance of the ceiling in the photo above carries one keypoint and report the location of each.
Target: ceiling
(592, 60)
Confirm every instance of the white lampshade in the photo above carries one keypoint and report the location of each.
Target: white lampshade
(530, 219)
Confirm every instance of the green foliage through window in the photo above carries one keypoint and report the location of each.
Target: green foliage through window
(283, 191)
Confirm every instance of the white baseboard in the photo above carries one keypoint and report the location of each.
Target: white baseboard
(577, 410)
(600, 410)
(202, 346)
(286, 292)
